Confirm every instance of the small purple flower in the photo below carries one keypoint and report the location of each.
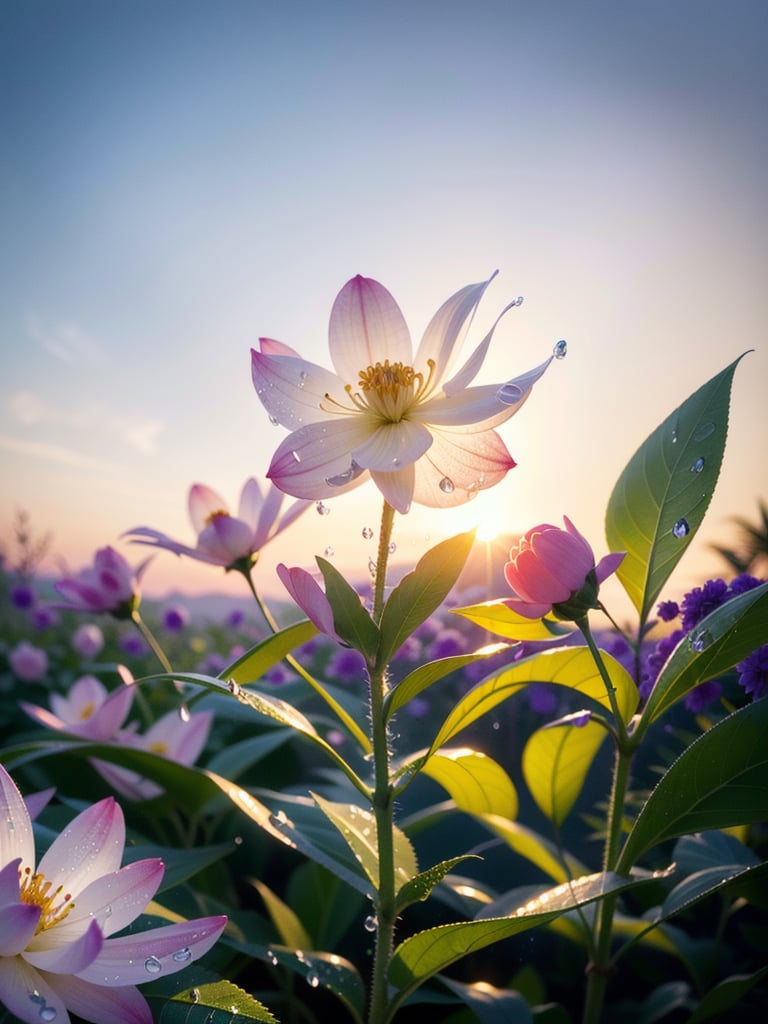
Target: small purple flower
(347, 666)
(447, 644)
(28, 662)
(278, 675)
(541, 698)
(213, 664)
(87, 640)
(235, 618)
(23, 596)
(410, 650)
(132, 645)
(175, 618)
(668, 610)
(656, 659)
(741, 584)
(753, 672)
(418, 707)
(700, 601)
(701, 696)
(109, 585)
(43, 618)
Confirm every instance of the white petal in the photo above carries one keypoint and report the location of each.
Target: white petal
(397, 488)
(308, 458)
(469, 370)
(251, 502)
(90, 846)
(203, 502)
(264, 527)
(392, 446)
(69, 957)
(103, 1005)
(293, 390)
(366, 327)
(115, 900)
(24, 991)
(16, 838)
(447, 328)
(458, 465)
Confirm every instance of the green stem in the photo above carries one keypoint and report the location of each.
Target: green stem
(149, 636)
(383, 799)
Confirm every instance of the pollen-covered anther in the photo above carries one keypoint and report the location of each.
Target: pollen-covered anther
(216, 514)
(54, 906)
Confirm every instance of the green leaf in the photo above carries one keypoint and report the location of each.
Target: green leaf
(325, 970)
(239, 757)
(492, 1005)
(668, 481)
(717, 643)
(725, 995)
(180, 864)
(556, 760)
(207, 1002)
(425, 675)
(719, 781)
(421, 591)
(558, 864)
(290, 929)
(477, 783)
(497, 618)
(350, 619)
(573, 667)
(256, 662)
(427, 952)
(358, 827)
(420, 887)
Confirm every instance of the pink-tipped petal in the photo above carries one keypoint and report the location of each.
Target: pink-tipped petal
(316, 461)
(458, 465)
(132, 959)
(18, 922)
(608, 565)
(91, 845)
(103, 1005)
(203, 502)
(366, 327)
(67, 958)
(25, 992)
(309, 596)
(471, 367)
(16, 837)
(293, 391)
(251, 503)
(114, 900)
(270, 347)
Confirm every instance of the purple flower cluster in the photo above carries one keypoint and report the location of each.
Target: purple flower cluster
(695, 606)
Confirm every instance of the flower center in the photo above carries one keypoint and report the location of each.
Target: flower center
(36, 890)
(86, 711)
(217, 514)
(159, 747)
(387, 390)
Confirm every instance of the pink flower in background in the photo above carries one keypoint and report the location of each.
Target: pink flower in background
(420, 433)
(110, 585)
(310, 597)
(554, 570)
(28, 662)
(88, 710)
(87, 640)
(223, 539)
(57, 922)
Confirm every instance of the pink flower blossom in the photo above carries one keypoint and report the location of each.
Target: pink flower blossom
(59, 952)
(89, 710)
(28, 662)
(88, 640)
(420, 433)
(223, 539)
(110, 585)
(310, 597)
(554, 570)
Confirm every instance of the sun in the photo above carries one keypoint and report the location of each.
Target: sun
(488, 530)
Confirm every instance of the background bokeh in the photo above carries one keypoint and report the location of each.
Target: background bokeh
(179, 178)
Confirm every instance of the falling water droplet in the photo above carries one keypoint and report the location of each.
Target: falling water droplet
(561, 349)
(329, 552)
(371, 923)
(392, 547)
(367, 533)
(698, 465)
(184, 713)
(238, 840)
(518, 301)
(181, 956)
(509, 393)
(447, 485)
(704, 431)
(372, 567)
(322, 509)
(233, 688)
(152, 965)
(699, 641)
(681, 529)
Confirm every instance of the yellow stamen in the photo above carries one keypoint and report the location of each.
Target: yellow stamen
(215, 515)
(387, 390)
(86, 711)
(158, 747)
(36, 890)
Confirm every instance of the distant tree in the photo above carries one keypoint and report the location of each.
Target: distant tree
(751, 551)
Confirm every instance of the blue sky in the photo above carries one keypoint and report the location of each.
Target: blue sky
(178, 178)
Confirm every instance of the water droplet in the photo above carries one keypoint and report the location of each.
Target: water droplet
(681, 529)
(698, 465)
(674, 435)
(108, 910)
(704, 431)
(447, 486)
(509, 393)
(296, 456)
(272, 958)
(372, 567)
(561, 349)
(395, 461)
(279, 819)
(152, 965)
(194, 995)
(181, 956)
(184, 713)
(322, 509)
(340, 479)
(371, 923)
(11, 826)
(329, 552)
(238, 840)
(35, 997)
(274, 421)
(699, 641)
(367, 533)
(518, 301)
(47, 1013)
(302, 378)
(233, 688)
(313, 980)
(392, 548)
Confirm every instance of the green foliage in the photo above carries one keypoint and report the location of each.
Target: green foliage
(555, 764)
(350, 619)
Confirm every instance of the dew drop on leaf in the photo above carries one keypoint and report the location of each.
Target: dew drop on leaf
(370, 923)
(681, 529)
(698, 465)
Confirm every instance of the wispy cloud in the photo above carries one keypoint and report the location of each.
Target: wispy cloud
(67, 342)
(54, 453)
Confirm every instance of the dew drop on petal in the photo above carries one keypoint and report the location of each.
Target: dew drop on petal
(182, 956)
(367, 533)
(302, 378)
(509, 393)
(561, 349)
(698, 465)
(681, 529)
(152, 965)
(47, 1013)
(296, 456)
(274, 421)
(322, 508)
(370, 923)
(447, 485)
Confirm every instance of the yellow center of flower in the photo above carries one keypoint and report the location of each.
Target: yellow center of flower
(54, 904)
(217, 514)
(158, 747)
(388, 391)
(86, 711)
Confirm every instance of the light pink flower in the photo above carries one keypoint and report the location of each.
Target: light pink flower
(88, 640)
(59, 951)
(110, 585)
(553, 569)
(310, 597)
(28, 662)
(88, 710)
(224, 539)
(409, 421)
